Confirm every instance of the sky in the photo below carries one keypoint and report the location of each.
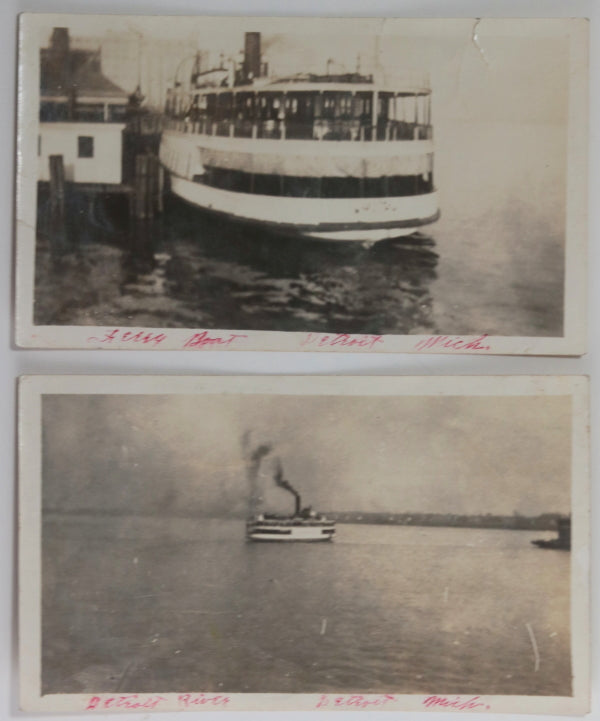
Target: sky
(444, 454)
(478, 71)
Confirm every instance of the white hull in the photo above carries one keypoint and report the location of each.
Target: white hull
(363, 219)
(362, 236)
(287, 532)
(344, 219)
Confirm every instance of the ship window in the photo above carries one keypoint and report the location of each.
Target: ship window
(267, 184)
(362, 105)
(315, 187)
(340, 188)
(300, 187)
(85, 146)
(328, 105)
(374, 188)
(345, 105)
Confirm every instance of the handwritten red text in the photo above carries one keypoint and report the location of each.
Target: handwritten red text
(129, 336)
(189, 700)
(203, 339)
(452, 343)
(130, 701)
(354, 701)
(342, 339)
(458, 703)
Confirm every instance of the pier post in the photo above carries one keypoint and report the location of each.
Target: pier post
(148, 186)
(141, 186)
(161, 188)
(152, 184)
(57, 188)
(57, 224)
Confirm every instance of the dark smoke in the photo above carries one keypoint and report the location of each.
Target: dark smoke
(253, 456)
(282, 483)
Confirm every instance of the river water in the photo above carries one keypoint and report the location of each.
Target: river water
(136, 604)
(493, 263)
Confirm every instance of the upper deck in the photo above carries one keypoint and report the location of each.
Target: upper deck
(304, 108)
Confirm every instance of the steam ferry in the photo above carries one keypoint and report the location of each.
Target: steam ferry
(270, 527)
(303, 525)
(335, 156)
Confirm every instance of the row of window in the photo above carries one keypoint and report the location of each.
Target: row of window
(299, 106)
(315, 187)
(55, 111)
(85, 146)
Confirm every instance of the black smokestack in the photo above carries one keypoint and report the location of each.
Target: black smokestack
(282, 483)
(251, 56)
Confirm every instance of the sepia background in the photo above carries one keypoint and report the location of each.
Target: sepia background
(432, 583)
(15, 361)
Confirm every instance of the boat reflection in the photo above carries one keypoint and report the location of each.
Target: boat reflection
(246, 278)
(190, 269)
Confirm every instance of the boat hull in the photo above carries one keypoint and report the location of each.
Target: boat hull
(334, 219)
(288, 532)
(188, 159)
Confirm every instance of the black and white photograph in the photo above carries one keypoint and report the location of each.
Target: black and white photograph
(311, 543)
(302, 184)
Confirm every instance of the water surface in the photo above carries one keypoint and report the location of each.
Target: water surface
(493, 263)
(165, 605)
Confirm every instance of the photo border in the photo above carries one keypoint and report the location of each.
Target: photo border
(31, 390)
(572, 343)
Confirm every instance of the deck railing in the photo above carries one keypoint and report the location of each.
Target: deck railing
(320, 129)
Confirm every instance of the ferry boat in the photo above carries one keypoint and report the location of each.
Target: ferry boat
(334, 156)
(270, 527)
(303, 525)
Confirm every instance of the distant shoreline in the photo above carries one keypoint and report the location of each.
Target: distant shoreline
(515, 522)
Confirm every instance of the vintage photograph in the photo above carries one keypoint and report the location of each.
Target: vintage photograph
(289, 180)
(413, 543)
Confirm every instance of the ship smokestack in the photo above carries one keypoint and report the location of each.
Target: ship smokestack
(251, 56)
(282, 483)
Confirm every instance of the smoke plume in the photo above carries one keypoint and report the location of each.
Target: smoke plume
(253, 455)
(282, 483)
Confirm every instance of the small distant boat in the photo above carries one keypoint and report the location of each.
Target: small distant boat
(289, 528)
(303, 525)
(563, 542)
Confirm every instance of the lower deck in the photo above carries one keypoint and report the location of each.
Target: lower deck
(286, 531)
(337, 219)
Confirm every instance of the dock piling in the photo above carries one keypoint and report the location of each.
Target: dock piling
(57, 221)
(57, 189)
(147, 186)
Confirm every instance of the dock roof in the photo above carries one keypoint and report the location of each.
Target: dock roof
(64, 70)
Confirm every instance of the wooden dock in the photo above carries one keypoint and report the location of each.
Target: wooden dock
(144, 194)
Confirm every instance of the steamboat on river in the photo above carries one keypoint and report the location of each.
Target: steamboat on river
(303, 524)
(338, 157)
